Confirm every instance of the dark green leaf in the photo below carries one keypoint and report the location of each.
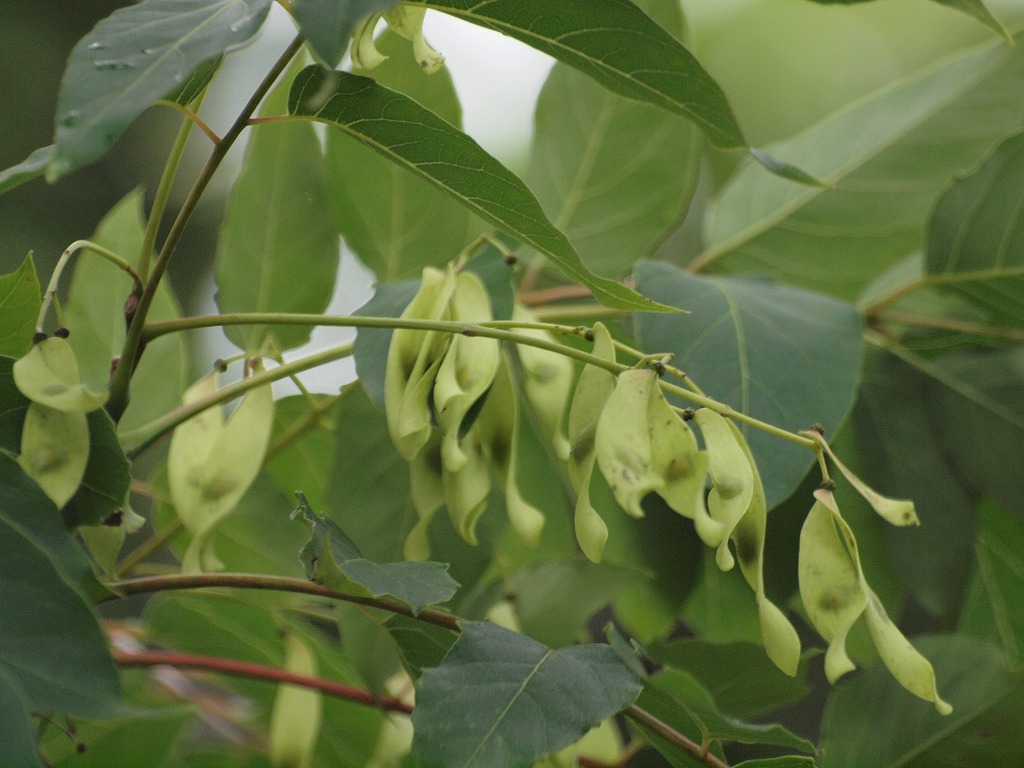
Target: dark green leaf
(994, 609)
(884, 160)
(500, 698)
(330, 557)
(51, 645)
(614, 174)
(25, 507)
(902, 457)
(789, 761)
(132, 58)
(94, 314)
(31, 167)
(422, 143)
(420, 645)
(301, 445)
(976, 237)
(394, 221)
(13, 406)
(277, 250)
(739, 676)
(327, 24)
(678, 699)
(19, 308)
(873, 721)
(107, 476)
(16, 731)
(618, 45)
(150, 738)
(197, 82)
(722, 608)
(367, 644)
(975, 8)
(786, 356)
(555, 600)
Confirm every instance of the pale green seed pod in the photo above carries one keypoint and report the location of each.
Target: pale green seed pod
(407, 21)
(364, 51)
(55, 450)
(468, 368)
(778, 636)
(48, 374)
(830, 586)
(731, 476)
(911, 670)
(643, 446)
(414, 358)
(594, 387)
(547, 380)
(296, 716)
(210, 464)
(426, 491)
(498, 429)
(466, 491)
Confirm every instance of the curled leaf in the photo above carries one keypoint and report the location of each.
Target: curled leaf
(414, 358)
(593, 389)
(54, 450)
(731, 476)
(899, 512)
(48, 374)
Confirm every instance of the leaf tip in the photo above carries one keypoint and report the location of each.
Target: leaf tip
(787, 170)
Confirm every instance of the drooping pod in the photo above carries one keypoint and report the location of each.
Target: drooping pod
(414, 358)
(468, 368)
(547, 380)
(426, 490)
(731, 476)
(55, 450)
(48, 374)
(296, 716)
(835, 594)
(594, 387)
(407, 21)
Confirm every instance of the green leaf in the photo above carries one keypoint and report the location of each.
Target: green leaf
(420, 645)
(614, 174)
(121, 742)
(55, 450)
(371, 346)
(986, 703)
(196, 83)
(616, 44)
(331, 558)
(678, 699)
(901, 455)
(132, 58)
(422, 143)
(19, 308)
(500, 698)
(884, 158)
(739, 676)
(51, 645)
(327, 24)
(16, 731)
(789, 761)
(396, 222)
(277, 250)
(107, 477)
(94, 313)
(554, 600)
(786, 356)
(993, 610)
(975, 8)
(976, 238)
(31, 167)
(25, 507)
(301, 445)
(48, 375)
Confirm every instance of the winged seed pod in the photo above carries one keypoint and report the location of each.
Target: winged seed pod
(297, 712)
(548, 381)
(731, 476)
(465, 491)
(364, 51)
(211, 464)
(55, 450)
(780, 640)
(426, 490)
(593, 389)
(468, 368)
(407, 21)
(643, 446)
(898, 512)
(414, 358)
(835, 594)
(48, 374)
(498, 427)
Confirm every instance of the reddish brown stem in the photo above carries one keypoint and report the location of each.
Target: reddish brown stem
(259, 672)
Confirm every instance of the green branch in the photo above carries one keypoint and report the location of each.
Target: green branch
(55, 276)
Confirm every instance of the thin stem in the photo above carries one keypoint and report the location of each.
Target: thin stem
(530, 298)
(163, 190)
(871, 309)
(148, 584)
(194, 118)
(154, 430)
(62, 262)
(671, 735)
(259, 672)
(952, 324)
(146, 548)
(586, 309)
(133, 344)
(486, 330)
